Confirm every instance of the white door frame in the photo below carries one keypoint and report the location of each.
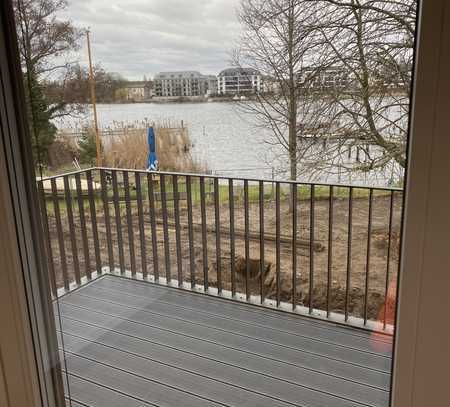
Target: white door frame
(421, 375)
(422, 355)
(29, 363)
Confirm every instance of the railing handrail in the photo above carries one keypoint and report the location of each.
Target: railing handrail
(226, 178)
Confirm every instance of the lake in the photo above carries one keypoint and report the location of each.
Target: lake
(229, 142)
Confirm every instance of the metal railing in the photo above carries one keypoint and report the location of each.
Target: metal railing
(329, 251)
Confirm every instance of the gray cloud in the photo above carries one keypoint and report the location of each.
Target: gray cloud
(142, 37)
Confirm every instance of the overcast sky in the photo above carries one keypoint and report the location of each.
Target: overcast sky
(142, 37)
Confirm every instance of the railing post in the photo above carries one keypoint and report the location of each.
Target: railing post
(311, 247)
(218, 231)
(190, 230)
(247, 241)
(126, 186)
(118, 217)
(48, 242)
(278, 242)
(151, 200)
(142, 241)
(349, 252)
(93, 213)
(330, 248)
(204, 234)
(232, 239)
(162, 181)
(59, 231)
(70, 220)
(105, 198)
(388, 262)
(262, 266)
(176, 207)
(84, 237)
(294, 245)
(368, 252)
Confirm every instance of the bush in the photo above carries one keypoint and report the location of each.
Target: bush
(62, 152)
(87, 147)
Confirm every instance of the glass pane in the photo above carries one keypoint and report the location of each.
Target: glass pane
(222, 185)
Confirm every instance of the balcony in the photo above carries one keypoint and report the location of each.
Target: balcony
(183, 289)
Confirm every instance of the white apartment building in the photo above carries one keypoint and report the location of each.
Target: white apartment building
(234, 81)
(180, 84)
(323, 79)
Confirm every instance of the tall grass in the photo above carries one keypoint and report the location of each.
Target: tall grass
(128, 148)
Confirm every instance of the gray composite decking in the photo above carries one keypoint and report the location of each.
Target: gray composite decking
(130, 343)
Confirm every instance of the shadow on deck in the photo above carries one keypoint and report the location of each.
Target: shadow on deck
(133, 344)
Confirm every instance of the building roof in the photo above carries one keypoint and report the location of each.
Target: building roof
(239, 72)
(179, 75)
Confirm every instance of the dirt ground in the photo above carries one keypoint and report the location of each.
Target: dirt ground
(379, 274)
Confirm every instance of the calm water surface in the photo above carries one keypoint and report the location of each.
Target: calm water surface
(227, 141)
(224, 138)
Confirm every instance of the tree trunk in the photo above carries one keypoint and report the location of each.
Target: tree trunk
(292, 102)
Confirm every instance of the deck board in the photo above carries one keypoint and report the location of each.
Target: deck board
(283, 321)
(127, 336)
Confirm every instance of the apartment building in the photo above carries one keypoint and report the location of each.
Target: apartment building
(180, 84)
(136, 91)
(233, 81)
(323, 78)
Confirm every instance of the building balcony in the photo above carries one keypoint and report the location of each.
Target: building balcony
(191, 290)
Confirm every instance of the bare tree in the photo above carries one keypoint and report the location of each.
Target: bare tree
(355, 122)
(372, 42)
(275, 42)
(44, 38)
(45, 43)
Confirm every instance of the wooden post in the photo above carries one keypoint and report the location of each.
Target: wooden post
(93, 101)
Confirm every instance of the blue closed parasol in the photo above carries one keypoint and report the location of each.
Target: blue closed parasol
(152, 163)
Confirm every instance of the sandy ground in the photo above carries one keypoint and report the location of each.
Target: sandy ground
(377, 275)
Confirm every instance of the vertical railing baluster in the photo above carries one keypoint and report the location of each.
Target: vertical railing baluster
(151, 200)
(190, 230)
(204, 234)
(369, 241)
(294, 246)
(48, 242)
(278, 242)
(330, 247)
(142, 242)
(311, 246)
(388, 263)
(105, 199)
(162, 180)
(126, 186)
(247, 241)
(232, 241)
(93, 213)
(262, 266)
(83, 228)
(59, 231)
(118, 217)
(349, 252)
(176, 209)
(218, 234)
(73, 239)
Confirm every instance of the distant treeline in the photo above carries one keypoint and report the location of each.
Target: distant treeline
(74, 87)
